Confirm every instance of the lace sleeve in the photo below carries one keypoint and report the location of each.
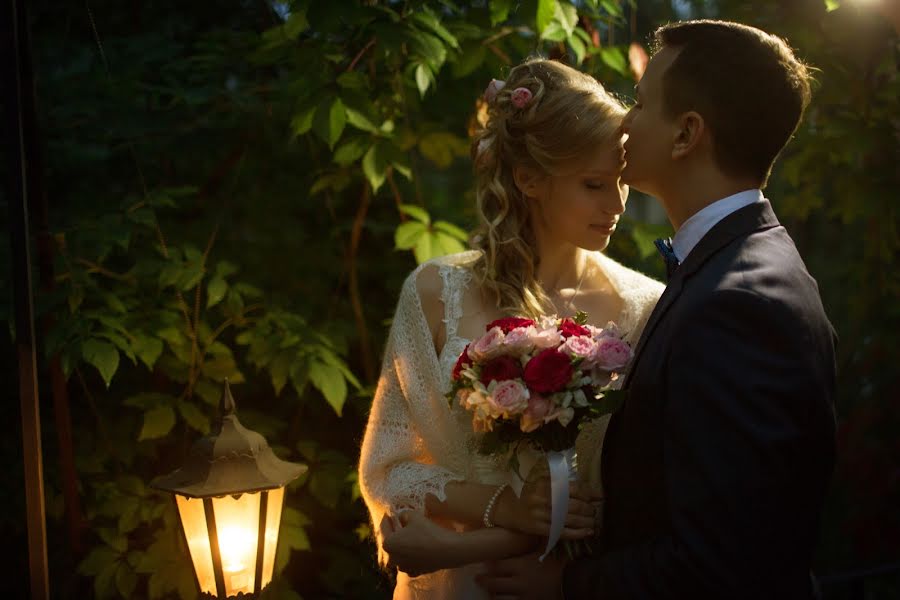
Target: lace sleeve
(410, 448)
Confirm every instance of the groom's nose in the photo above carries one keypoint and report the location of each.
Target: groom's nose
(626, 123)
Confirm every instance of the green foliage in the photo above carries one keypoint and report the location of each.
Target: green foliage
(225, 204)
(231, 191)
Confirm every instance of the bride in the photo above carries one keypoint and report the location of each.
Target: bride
(549, 195)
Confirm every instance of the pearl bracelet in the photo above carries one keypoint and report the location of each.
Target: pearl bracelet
(486, 519)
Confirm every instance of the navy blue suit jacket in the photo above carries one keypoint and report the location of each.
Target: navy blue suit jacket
(716, 466)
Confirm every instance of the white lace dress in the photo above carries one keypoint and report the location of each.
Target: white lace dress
(416, 442)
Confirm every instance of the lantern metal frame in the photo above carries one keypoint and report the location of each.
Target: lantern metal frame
(231, 461)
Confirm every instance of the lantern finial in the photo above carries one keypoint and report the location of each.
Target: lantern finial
(226, 404)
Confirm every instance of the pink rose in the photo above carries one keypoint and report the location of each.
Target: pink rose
(611, 330)
(611, 354)
(488, 346)
(538, 408)
(520, 339)
(509, 398)
(546, 338)
(580, 346)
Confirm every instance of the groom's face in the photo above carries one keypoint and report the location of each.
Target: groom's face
(648, 151)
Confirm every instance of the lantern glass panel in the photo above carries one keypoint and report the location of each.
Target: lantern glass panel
(237, 526)
(273, 521)
(193, 519)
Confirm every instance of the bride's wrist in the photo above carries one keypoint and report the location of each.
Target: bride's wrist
(505, 509)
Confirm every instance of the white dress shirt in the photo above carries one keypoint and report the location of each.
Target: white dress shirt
(693, 230)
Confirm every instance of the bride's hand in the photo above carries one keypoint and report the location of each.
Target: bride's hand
(416, 545)
(531, 511)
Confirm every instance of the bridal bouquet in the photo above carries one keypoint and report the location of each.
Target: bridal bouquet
(537, 382)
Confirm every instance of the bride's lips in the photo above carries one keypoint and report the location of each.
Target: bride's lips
(605, 228)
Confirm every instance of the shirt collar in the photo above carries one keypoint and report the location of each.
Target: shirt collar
(693, 230)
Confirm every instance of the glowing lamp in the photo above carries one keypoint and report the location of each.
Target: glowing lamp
(229, 495)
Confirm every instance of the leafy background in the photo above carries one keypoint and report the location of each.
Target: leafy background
(238, 190)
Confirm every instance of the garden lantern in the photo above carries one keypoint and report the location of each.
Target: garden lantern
(229, 495)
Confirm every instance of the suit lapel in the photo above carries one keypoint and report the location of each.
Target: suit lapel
(754, 217)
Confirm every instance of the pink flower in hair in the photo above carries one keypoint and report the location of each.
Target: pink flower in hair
(521, 97)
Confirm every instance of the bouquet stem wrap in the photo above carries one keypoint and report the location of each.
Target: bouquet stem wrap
(563, 469)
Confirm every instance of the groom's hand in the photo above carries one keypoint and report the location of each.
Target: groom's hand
(523, 578)
(530, 512)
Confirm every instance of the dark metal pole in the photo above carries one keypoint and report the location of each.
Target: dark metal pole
(18, 127)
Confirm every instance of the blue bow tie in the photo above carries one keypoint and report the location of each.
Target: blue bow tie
(665, 249)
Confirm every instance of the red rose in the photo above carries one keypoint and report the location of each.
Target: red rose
(548, 372)
(568, 328)
(501, 369)
(508, 324)
(461, 363)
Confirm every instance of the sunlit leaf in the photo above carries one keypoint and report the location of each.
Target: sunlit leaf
(328, 380)
(416, 212)
(102, 355)
(350, 150)
(375, 167)
(329, 121)
(303, 120)
(158, 422)
(614, 59)
(428, 19)
(500, 10)
(360, 121)
(215, 291)
(451, 230)
(407, 234)
(546, 9)
(423, 78)
(423, 250)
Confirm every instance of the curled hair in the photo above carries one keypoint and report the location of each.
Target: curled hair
(569, 115)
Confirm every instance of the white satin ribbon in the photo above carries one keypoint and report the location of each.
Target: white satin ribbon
(562, 470)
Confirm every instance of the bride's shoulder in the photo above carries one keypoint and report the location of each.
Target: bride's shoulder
(630, 282)
(428, 277)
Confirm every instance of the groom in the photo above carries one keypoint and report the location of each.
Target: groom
(716, 467)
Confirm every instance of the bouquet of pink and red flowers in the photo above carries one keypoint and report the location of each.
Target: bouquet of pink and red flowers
(537, 381)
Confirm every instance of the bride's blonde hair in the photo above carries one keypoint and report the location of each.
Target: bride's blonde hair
(569, 115)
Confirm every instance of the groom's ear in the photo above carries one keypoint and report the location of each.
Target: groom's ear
(690, 132)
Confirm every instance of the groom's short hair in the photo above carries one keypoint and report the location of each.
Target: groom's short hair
(747, 84)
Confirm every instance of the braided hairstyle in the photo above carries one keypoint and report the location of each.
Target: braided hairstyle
(569, 115)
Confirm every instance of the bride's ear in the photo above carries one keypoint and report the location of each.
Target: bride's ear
(528, 180)
(691, 129)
